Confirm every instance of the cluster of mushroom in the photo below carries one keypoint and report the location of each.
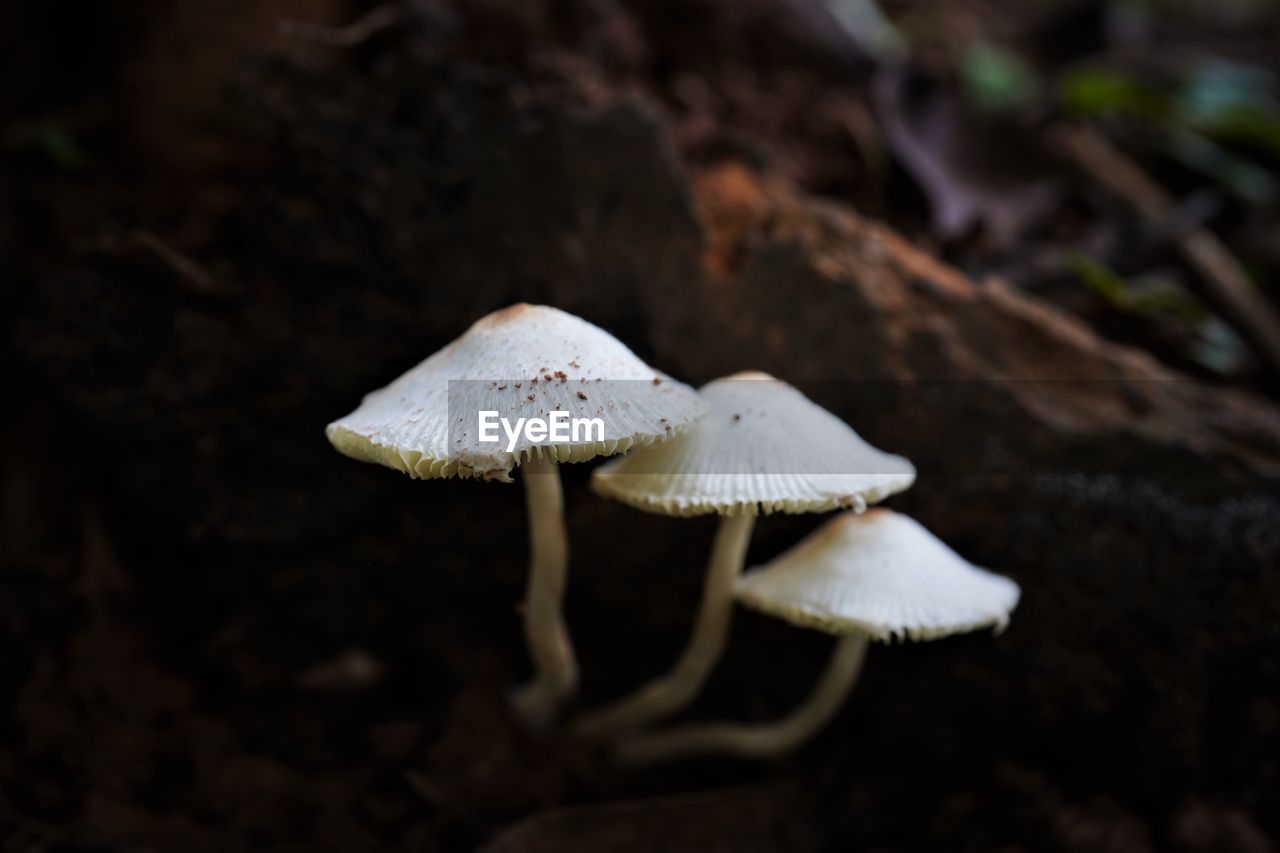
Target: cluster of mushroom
(741, 446)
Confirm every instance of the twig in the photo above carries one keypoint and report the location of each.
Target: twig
(188, 270)
(352, 35)
(869, 28)
(1224, 276)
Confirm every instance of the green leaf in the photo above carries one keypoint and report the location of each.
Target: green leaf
(1092, 92)
(996, 79)
(60, 147)
(1232, 102)
(1218, 348)
(1242, 177)
(1101, 280)
(1151, 298)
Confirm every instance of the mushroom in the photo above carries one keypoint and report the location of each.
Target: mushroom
(525, 361)
(763, 447)
(877, 576)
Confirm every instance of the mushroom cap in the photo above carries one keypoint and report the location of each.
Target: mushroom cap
(762, 447)
(522, 361)
(880, 574)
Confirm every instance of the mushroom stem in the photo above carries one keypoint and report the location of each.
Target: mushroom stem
(760, 740)
(555, 668)
(669, 693)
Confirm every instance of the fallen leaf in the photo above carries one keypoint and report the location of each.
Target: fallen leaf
(975, 170)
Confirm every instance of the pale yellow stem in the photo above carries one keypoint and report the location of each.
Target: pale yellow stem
(670, 693)
(555, 668)
(760, 740)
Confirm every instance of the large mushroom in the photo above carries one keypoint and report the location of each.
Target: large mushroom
(763, 447)
(525, 361)
(877, 576)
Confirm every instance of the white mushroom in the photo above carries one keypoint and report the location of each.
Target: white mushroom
(877, 576)
(523, 361)
(762, 447)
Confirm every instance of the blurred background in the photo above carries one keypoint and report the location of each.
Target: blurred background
(1033, 246)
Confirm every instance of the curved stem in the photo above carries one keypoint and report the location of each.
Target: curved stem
(761, 740)
(670, 693)
(555, 668)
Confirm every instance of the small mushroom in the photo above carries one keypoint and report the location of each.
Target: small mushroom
(426, 424)
(763, 447)
(877, 576)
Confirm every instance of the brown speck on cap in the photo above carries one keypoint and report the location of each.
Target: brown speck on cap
(503, 344)
(657, 380)
(737, 418)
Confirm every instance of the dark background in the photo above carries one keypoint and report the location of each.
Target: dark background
(219, 232)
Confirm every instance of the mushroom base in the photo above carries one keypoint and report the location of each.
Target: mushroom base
(759, 740)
